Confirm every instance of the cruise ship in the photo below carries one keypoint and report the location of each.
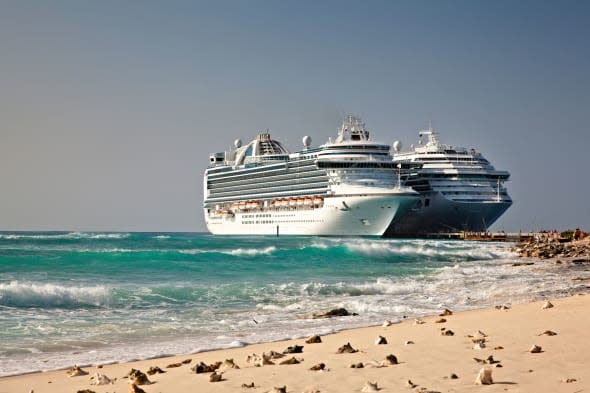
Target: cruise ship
(345, 187)
(460, 190)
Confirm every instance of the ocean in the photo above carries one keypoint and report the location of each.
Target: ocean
(98, 298)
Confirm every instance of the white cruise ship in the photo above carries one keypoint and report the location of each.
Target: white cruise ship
(345, 187)
(460, 190)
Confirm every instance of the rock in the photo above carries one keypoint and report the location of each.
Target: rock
(447, 333)
(79, 391)
(281, 389)
(418, 321)
(390, 360)
(440, 320)
(548, 333)
(453, 376)
(370, 387)
(569, 380)
(408, 342)
(387, 323)
(137, 377)
(535, 349)
(227, 364)
(215, 377)
(479, 345)
(76, 371)
(547, 305)
(318, 367)
(291, 360)
(314, 340)
(502, 307)
(201, 367)
(294, 349)
(154, 370)
(410, 384)
(380, 340)
(133, 388)
(101, 379)
(174, 365)
(484, 377)
(445, 313)
(337, 312)
(248, 385)
(347, 348)
(275, 355)
(498, 348)
(186, 361)
(356, 365)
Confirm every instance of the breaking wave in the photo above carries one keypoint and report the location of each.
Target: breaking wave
(70, 235)
(16, 294)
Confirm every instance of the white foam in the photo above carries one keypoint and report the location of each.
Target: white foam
(32, 294)
(251, 251)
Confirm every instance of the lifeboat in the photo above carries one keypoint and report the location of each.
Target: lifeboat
(242, 205)
(284, 203)
(225, 213)
(307, 201)
(318, 200)
(293, 202)
(300, 201)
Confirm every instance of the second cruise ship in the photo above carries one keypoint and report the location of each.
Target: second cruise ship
(460, 190)
(345, 187)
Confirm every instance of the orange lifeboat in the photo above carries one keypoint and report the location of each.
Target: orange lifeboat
(293, 202)
(307, 201)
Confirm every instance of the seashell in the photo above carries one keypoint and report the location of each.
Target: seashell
(547, 304)
(174, 365)
(569, 380)
(498, 348)
(275, 355)
(440, 320)
(280, 389)
(133, 388)
(215, 377)
(291, 360)
(408, 342)
(418, 321)
(484, 377)
(100, 379)
(387, 323)
(370, 387)
(314, 340)
(380, 340)
(248, 385)
(347, 348)
(227, 364)
(204, 368)
(410, 384)
(390, 360)
(447, 333)
(154, 370)
(318, 367)
(535, 349)
(548, 333)
(503, 307)
(136, 377)
(186, 361)
(76, 371)
(294, 349)
(479, 345)
(445, 313)
(480, 334)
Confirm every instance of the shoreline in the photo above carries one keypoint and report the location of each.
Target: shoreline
(417, 361)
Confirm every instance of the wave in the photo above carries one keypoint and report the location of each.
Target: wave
(251, 251)
(70, 235)
(16, 294)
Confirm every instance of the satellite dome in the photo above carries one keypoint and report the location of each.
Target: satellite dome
(397, 146)
(306, 141)
(238, 143)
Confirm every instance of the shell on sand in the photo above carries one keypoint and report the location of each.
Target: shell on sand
(280, 389)
(380, 340)
(318, 367)
(387, 323)
(547, 304)
(100, 379)
(370, 387)
(137, 377)
(440, 320)
(548, 333)
(227, 364)
(133, 388)
(408, 342)
(484, 377)
(535, 349)
(479, 345)
(76, 371)
(154, 370)
(248, 385)
(356, 365)
(347, 348)
(418, 321)
(447, 333)
(445, 313)
(410, 384)
(390, 360)
(291, 360)
(314, 340)
(215, 377)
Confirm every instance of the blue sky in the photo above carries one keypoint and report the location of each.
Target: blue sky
(109, 109)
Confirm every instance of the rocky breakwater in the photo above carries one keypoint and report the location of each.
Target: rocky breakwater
(548, 247)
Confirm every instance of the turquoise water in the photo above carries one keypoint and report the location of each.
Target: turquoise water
(91, 298)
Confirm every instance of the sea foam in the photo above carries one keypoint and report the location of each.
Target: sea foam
(16, 294)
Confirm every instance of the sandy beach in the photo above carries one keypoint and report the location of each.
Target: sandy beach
(425, 354)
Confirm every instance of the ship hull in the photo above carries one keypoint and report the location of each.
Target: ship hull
(360, 215)
(444, 215)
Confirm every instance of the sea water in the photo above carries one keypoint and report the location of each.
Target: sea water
(96, 298)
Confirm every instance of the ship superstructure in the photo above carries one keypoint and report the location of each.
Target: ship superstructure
(346, 186)
(459, 188)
